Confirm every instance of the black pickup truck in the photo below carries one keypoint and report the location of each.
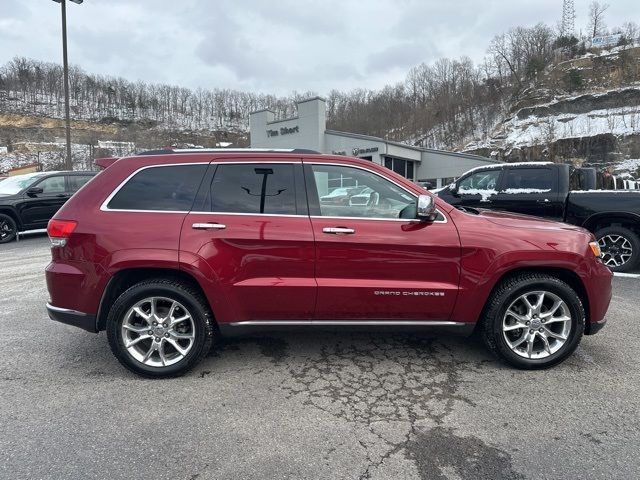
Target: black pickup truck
(547, 189)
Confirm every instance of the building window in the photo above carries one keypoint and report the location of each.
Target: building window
(398, 165)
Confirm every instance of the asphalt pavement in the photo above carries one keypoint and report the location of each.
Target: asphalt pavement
(310, 405)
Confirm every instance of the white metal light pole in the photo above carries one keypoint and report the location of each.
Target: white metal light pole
(65, 74)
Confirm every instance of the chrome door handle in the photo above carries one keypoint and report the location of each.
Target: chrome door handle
(336, 230)
(208, 226)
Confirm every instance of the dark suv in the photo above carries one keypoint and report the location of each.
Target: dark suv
(168, 250)
(27, 202)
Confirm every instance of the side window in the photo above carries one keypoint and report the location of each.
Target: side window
(529, 180)
(483, 180)
(254, 188)
(77, 181)
(52, 185)
(170, 188)
(352, 192)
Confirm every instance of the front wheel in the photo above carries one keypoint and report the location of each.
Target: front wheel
(160, 328)
(8, 228)
(620, 248)
(533, 321)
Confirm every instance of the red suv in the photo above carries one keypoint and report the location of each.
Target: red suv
(169, 249)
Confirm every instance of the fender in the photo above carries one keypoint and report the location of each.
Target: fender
(13, 213)
(609, 217)
(476, 287)
(208, 279)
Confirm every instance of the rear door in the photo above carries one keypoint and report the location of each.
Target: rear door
(477, 189)
(374, 261)
(250, 230)
(532, 191)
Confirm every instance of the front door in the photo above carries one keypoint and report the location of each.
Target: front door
(250, 225)
(374, 261)
(36, 209)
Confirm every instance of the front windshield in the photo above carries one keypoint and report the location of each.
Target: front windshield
(13, 185)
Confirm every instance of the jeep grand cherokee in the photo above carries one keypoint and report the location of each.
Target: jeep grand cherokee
(170, 249)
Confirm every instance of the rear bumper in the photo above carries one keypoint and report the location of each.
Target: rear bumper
(72, 317)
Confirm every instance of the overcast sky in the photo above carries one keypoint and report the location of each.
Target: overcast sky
(272, 46)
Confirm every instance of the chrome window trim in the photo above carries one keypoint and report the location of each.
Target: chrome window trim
(384, 178)
(405, 220)
(105, 208)
(248, 214)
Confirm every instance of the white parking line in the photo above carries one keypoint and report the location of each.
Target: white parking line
(627, 275)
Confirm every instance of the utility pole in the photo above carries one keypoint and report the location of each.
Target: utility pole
(568, 18)
(65, 74)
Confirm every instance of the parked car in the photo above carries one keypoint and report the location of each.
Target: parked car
(544, 189)
(27, 202)
(167, 251)
(340, 195)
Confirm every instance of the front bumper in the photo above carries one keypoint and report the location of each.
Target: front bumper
(594, 327)
(72, 317)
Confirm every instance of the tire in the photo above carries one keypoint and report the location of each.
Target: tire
(616, 243)
(8, 228)
(508, 296)
(174, 300)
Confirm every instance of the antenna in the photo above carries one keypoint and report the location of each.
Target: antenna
(568, 18)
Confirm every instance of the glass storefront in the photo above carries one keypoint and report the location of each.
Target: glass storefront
(401, 166)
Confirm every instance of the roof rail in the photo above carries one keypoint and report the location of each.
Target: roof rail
(167, 151)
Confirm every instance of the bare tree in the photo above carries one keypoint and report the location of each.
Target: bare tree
(596, 17)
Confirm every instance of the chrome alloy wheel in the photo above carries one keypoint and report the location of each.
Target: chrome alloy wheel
(158, 331)
(616, 250)
(536, 324)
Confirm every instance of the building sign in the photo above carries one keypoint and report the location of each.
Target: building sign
(340, 152)
(606, 40)
(361, 151)
(283, 131)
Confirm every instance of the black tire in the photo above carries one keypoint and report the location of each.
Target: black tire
(609, 256)
(193, 302)
(8, 228)
(507, 292)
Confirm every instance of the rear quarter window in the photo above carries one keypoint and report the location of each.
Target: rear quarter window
(166, 188)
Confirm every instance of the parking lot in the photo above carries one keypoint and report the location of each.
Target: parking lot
(318, 405)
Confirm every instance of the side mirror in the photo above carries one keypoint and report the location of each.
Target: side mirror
(426, 209)
(453, 188)
(35, 191)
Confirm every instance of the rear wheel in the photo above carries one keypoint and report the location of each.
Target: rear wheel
(160, 328)
(533, 321)
(620, 248)
(8, 228)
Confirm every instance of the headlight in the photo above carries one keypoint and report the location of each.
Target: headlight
(595, 248)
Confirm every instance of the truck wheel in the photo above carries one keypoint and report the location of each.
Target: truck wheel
(8, 228)
(160, 328)
(533, 321)
(620, 248)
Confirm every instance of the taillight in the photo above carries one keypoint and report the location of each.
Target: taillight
(59, 231)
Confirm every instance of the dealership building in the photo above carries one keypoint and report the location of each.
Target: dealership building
(308, 130)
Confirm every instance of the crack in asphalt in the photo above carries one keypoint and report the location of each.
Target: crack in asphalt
(400, 388)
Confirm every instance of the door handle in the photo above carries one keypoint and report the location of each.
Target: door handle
(337, 230)
(208, 226)
(546, 200)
